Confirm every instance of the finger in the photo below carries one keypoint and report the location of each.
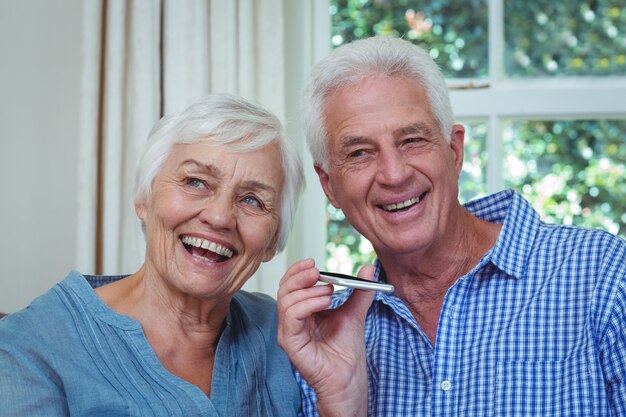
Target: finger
(305, 301)
(367, 272)
(296, 310)
(304, 269)
(297, 267)
(298, 296)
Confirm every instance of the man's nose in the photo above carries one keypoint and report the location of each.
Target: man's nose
(392, 167)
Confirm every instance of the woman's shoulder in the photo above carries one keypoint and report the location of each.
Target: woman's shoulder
(42, 333)
(257, 307)
(43, 316)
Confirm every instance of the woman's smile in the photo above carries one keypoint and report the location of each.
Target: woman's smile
(206, 250)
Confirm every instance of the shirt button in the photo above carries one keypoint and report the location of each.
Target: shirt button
(446, 385)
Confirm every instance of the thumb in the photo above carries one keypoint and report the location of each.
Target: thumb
(360, 300)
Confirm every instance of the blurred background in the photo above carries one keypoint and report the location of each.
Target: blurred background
(540, 87)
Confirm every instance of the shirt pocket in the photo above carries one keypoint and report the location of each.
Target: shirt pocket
(544, 388)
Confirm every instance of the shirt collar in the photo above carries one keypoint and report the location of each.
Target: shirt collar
(520, 224)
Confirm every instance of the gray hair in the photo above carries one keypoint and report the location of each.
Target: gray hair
(230, 121)
(351, 63)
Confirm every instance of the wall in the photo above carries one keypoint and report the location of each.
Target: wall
(40, 59)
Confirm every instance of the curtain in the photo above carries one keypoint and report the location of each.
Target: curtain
(144, 59)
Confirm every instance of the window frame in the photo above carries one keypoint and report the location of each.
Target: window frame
(533, 98)
(492, 99)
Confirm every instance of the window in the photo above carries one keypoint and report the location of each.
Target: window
(572, 170)
(541, 89)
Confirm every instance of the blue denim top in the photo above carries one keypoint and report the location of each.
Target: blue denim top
(68, 353)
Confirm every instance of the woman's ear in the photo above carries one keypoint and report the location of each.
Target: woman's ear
(140, 210)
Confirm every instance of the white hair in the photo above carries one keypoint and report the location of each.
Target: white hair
(230, 121)
(353, 62)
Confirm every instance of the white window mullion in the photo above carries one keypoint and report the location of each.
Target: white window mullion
(495, 181)
(496, 42)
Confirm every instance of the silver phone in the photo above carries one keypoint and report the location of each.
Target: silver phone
(354, 282)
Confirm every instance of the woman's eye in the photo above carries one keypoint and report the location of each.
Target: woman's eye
(252, 201)
(196, 183)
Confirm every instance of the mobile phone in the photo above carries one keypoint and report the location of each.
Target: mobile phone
(354, 282)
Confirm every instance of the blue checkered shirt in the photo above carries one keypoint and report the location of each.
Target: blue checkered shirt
(536, 328)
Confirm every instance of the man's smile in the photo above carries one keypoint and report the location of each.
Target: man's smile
(403, 204)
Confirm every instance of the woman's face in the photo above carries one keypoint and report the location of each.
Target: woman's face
(212, 218)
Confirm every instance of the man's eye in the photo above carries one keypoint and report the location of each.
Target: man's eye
(357, 153)
(413, 140)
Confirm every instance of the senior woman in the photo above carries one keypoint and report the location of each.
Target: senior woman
(216, 190)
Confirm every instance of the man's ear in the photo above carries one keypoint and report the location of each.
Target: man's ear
(457, 144)
(326, 186)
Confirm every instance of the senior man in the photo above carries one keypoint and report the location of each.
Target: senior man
(495, 313)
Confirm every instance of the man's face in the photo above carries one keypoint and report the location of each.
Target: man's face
(390, 170)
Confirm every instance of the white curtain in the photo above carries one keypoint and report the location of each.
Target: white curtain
(145, 58)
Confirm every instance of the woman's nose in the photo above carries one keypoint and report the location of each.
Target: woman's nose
(218, 212)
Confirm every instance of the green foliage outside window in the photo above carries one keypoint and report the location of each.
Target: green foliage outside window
(346, 249)
(453, 31)
(473, 181)
(564, 38)
(571, 170)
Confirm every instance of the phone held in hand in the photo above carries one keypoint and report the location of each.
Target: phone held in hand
(354, 282)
